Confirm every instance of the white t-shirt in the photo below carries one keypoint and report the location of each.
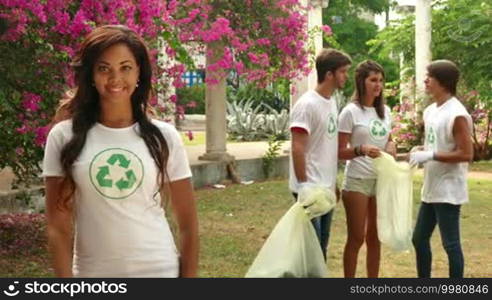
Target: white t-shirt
(318, 116)
(365, 127)
(444, 182)
(120, 227)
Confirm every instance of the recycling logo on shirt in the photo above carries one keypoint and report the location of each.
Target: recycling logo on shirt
(431, 136)
(116, 173)
(331, 126)
(377, 129)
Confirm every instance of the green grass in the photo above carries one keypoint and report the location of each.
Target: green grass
(481, 166)
(257, 208)
(198, 138)
(476, 237)
(234, 223)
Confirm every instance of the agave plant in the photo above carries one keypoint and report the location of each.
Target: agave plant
(245, 123)
(276, 123)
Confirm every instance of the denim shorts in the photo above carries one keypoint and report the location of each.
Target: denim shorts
(366, 186)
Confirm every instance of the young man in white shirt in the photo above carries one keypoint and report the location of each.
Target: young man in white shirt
(314, 134)
(447, 150)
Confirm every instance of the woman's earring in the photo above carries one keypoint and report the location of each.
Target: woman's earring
(136, 85)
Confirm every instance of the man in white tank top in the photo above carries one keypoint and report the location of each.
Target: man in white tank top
(313, 124)
(447, 150)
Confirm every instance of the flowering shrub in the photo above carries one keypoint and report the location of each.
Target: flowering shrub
(22, 234)
(408, 128)
(262, 40)
(481, 113)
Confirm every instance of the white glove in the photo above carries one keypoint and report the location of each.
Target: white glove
(420, 157)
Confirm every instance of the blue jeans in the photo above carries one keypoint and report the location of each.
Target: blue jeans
(447, 216)
(322, 226)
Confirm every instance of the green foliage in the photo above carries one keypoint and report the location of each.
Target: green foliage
(245, 122)
(277, 123)
(192, 98)
(392, 93)
(398, 37)
(375, 6)
(274, 145)
(275, 95)
(344, 17)
(19, 150)
(461, 32)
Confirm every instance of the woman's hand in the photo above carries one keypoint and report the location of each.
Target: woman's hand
(390, 149)
(370, 150)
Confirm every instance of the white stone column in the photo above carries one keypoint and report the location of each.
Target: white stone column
(314, 19)
(423, 35)
(215, 113)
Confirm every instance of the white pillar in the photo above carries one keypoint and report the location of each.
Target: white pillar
(423, 35)
(215, 113)
(314, 19)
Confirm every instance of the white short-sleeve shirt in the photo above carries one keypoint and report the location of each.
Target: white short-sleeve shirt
(365, 127)
(318, 116)
(120, 227)
(444, 182)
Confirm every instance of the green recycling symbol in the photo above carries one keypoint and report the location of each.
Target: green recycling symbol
(116, 173)
(332, 126)
(431, 136)
(377, 129)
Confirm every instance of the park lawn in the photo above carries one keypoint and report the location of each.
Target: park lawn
(481, 166)
(234, 223)
(198, 138)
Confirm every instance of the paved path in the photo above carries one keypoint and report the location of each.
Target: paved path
(245, 150)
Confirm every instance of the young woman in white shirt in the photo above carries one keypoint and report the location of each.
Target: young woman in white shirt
(107, 165)
(364, 131)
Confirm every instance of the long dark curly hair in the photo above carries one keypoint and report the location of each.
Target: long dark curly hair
(84, 107)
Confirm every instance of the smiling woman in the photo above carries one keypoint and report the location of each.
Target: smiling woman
(116, 77)
(107, 164)
(365, 125)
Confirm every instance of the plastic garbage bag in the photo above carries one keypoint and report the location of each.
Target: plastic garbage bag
(394, 193)
(292, 249)
(316, 199)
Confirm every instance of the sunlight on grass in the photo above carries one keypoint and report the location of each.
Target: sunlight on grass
(198, 138)
(481, 166)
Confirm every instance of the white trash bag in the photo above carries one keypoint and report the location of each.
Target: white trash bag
(293, 249)
(394, 193)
